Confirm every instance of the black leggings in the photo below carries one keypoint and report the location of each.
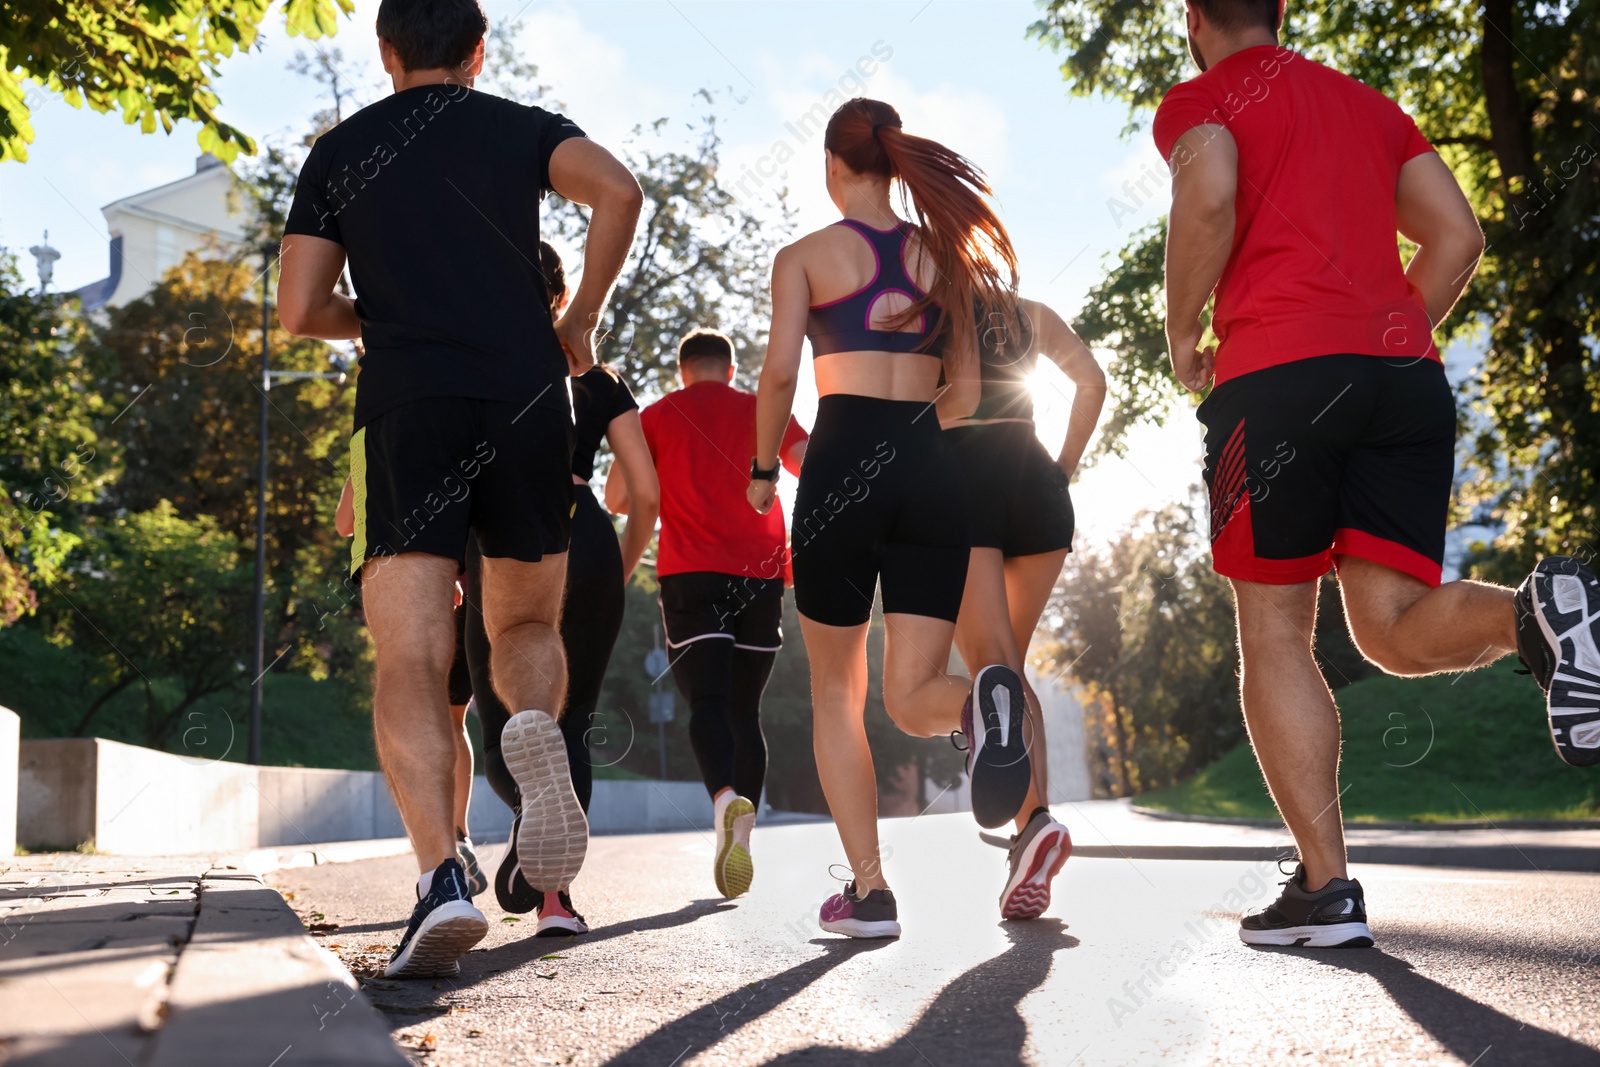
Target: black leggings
(591, 619)
(723, 686)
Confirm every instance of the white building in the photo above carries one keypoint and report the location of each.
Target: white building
(152, 231)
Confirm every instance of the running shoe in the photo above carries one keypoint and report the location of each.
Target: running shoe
(557, 917)
(511, 890)
(1558, 630)
(871, 916)
(733, 869)
(1335, 916)
(444, 927)
(997, 755)
(554, 835)
(477, 881)
(1037, 854)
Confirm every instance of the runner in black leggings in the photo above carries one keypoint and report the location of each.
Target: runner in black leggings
(597, 570)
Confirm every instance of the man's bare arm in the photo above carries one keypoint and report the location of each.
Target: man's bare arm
(587, 174)
(1433, 212)
(1205, 176)
(308, 303)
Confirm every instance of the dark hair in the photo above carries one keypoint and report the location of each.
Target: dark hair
(554, 273)
(700, 343)
(1236, 15)
(430, 34)
(943, 192)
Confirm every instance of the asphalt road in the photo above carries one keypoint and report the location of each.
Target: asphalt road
(1135, 962)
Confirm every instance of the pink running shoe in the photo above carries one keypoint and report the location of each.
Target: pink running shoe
(873, 915)
(1037, 854)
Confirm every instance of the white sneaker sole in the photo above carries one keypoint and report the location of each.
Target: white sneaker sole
(444, 937)
(1332, 935)
(554, 836)
(858, 928)
(560, 926)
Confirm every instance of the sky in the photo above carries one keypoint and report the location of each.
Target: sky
(962, 73)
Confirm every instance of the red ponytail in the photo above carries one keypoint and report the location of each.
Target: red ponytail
(943, 192)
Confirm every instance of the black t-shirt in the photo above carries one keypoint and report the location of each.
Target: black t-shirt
(1007, 356)
(598, 396)
(434, 193)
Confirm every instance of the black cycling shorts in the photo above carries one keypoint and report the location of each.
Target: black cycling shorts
(1342, 455)
(1017, 495)
(429, 473)
(705, 604)
(879, 501)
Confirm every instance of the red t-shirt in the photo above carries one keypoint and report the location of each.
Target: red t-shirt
(702, 437)
(1315, 268)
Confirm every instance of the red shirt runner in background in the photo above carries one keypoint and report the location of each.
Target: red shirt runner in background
(1315, 268)
(702, 437)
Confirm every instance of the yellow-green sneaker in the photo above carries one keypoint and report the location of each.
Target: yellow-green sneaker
(733, 870)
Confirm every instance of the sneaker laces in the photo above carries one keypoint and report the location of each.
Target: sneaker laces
(958, 741)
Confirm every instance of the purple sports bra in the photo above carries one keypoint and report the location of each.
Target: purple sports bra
(845, 325)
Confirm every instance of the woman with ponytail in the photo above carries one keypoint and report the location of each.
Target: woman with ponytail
(888, 306)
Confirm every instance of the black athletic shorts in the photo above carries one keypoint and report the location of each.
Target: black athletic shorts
(1340, 455)
(1016, 494)
(460, 678)
(879, 501)
(705, 604)
(432, 472)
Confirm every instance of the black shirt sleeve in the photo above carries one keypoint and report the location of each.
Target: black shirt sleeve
(621, 401)
(312, 213)
(550, 130)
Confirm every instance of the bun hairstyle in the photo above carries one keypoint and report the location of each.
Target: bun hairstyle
(944, 193)
(554, 273)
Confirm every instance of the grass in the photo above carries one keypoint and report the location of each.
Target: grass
(1474, 746)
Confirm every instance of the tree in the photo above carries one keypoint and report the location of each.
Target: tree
(51, 456)
(155, 60)
(159, 601)
(1508, 90)
(699, 259)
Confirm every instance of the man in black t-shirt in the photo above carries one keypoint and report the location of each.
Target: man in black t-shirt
(462, 424)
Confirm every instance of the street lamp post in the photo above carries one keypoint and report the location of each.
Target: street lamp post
(259, 649)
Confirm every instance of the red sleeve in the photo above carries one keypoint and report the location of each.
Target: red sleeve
(1185, 106)
(647, 419)
(793, 434)
(1414, 143)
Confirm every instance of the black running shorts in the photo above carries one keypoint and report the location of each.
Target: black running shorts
(704, 604)
(1342, 455)
(879, 501)
(432, 472)
(1016, 494)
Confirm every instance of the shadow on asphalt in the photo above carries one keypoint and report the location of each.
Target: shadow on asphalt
(974, 1019)
(1459, 1023)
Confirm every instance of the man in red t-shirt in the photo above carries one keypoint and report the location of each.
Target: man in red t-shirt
(1330, 429)
(722, 569)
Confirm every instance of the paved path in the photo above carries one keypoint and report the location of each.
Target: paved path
(1137, 961)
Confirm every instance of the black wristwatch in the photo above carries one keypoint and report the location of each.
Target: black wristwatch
(759, 475)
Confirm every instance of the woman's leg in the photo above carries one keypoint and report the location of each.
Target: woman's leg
(839, 737)
(458, 718)
(1029, 582)
(589, 631)
(919, 696)
(984, 635)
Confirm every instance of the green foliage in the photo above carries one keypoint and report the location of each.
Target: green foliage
(154, 60)
(50, 455)
(1413, 749)
(699, 259)
(1508, 91)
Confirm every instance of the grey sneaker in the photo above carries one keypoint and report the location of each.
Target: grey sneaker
(873, 915)
(477, 881)
(1335, 916)
(1558, 630)
(553, 837)
(1037, 855)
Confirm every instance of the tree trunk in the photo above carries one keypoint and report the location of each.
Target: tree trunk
(83, 723)
(1508, 119)
(1122, 740)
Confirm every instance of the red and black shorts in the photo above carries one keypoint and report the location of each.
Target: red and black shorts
(1342, 455)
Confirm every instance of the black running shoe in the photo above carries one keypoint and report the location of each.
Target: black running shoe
(511, 890)
(444, 927)
(872, 916)
(1335, 916)
(997, 755)
(1558, 631)
(477, 882)
(558, 918)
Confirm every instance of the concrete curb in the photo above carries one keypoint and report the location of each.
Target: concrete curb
(1465, 824)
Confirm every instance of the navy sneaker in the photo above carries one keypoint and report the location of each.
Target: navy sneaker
(1558, 631)
(1335, 916)
(997, 754)
(444, 927)
(511, 890)
(476, 881)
